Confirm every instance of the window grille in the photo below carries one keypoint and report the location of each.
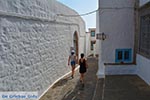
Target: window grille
(144, 37)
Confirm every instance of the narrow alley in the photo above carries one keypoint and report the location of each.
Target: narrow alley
(71, 89)
(37, 38)
(113, 87)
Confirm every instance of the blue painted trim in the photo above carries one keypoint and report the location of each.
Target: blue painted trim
(92, 34)
(123, 56)
(117, 51)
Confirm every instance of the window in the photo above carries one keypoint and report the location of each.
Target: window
(93, 33)
(123, 55)
(144, 37)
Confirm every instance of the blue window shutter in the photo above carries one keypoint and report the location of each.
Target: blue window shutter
(128, 56)
(119, 55)
(123, 55)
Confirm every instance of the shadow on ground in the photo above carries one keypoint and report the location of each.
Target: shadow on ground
(71, 89)
(61, 82)
(86, 92)
(113, 87)
(75, 94)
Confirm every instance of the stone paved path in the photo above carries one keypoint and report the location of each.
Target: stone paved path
(126, 87)
(71, 89)
(115, 87)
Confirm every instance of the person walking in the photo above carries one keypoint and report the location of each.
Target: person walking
(72, 60)
(82, 68)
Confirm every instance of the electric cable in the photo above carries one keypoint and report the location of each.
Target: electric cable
(78, 15)
(85, 14)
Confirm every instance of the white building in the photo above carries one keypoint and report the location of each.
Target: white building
(143, 43)
(91, 42)
(35, 42)
(118, 20)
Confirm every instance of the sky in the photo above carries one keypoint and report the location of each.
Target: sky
(85, 6)
(82, 7)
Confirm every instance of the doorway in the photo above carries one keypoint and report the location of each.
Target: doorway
(75, 43)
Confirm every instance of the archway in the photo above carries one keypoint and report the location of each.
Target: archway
(75, 43)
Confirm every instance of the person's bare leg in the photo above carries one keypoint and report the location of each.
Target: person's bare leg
(81, 77)
(73, 68)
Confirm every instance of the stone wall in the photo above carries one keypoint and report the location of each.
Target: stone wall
(35, 43)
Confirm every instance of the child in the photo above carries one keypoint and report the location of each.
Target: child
(82, 69)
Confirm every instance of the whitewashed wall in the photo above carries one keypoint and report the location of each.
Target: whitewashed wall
(97, 31)
(35, 43)
(143, 68)
(118, 25)
(94, 45)
(82, 46)
(87, 44)
(120, 70)
(116, 20)
(143, 64)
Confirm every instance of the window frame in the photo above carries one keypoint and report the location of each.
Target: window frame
(123, 60)
(144, 36)
(92, 35)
